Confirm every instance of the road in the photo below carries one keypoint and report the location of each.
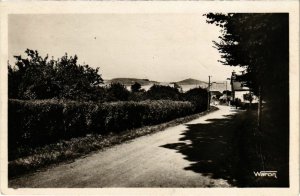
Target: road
(195, 154)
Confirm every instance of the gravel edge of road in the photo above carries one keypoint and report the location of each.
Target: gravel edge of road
(67, 151)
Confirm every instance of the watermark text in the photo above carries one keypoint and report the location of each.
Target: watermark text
(266, 174)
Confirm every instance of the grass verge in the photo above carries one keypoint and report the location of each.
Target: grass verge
(68, 150)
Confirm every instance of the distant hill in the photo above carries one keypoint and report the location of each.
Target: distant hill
(186, 84)
(191, 81)
(130, 81)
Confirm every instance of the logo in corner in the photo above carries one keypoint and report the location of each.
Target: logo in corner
(266, 174)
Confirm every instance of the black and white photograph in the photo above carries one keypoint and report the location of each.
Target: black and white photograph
(187, 98)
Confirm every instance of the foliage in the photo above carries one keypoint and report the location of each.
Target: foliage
(198, 97)
(138, 96)
(177, 86)
(38, 122)
(260, 43)
(136, 87)
(117, 92)
(157, 92)
(28, 159)
(36, 77)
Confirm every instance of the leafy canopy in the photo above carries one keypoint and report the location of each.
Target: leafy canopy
(259, 43)
(37, 77)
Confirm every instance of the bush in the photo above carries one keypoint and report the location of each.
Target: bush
(198, 97)
(33, 123)
(159, 92)
(136, 87)
(138, 96)
(36, 123)
(117, 92)
(29, 119)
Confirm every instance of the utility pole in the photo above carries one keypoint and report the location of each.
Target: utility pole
(208, 93)
(226, 90)
(233, 77)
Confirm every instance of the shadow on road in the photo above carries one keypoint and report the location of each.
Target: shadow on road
(210, 147)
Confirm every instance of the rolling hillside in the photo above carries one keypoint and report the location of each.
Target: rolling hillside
(191, 81)
(130, 81)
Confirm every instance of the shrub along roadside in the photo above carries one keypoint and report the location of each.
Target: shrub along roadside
(65, 150)
(36, 123)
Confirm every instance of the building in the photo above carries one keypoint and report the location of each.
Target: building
(239, 90)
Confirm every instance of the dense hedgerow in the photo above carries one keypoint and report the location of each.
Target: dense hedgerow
(39, 122)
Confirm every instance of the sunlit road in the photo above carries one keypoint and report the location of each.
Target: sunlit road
(188, 155)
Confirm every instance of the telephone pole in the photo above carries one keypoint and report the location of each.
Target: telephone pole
(208, 93)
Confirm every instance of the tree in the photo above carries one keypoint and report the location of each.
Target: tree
(257, 42)
(260, 44)
(198, 97)
(177, 86)
(136, 87)
(117, 92)
(36, 77)
(157, 92)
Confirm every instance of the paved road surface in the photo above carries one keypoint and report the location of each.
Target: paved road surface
(188, 155)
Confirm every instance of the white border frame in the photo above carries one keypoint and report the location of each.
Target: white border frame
(90, 7)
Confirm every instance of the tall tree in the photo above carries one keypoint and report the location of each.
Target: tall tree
(259, 43)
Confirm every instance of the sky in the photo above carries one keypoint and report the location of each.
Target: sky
(160, 47)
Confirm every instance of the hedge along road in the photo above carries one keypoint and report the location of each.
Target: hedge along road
(187, 155)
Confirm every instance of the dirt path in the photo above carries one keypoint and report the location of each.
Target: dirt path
(191, 155)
